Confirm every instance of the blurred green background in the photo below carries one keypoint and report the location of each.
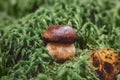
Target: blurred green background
(23, 55)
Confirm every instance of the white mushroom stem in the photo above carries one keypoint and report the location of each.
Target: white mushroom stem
(61, 51)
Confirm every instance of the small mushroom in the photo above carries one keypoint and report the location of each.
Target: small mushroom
(60, 42)
(106, 63)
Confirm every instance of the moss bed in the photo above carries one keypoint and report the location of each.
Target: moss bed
(23, 55)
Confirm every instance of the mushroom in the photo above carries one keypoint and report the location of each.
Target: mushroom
(106, 63)
(60, 42)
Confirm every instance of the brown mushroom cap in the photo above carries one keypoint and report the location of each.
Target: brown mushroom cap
(61, 34)
(106, 63)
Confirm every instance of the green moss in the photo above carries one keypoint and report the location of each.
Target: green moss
(23, 53)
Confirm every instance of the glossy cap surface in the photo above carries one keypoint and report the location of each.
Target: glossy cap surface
(61, 34)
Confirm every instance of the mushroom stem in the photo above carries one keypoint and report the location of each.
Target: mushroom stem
(61, 51)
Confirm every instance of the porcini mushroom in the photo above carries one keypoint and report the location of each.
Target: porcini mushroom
(60, 42)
